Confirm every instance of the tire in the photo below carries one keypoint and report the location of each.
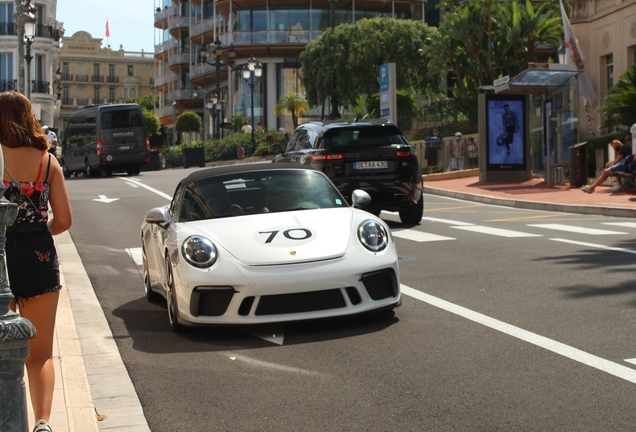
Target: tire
(65, 170)
(109, 172)
(413, 215)
(89, 171)
(133, 171)
(151, 296)
(171, 300)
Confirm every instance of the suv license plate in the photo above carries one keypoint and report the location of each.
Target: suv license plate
(124, 147)
(371, 165)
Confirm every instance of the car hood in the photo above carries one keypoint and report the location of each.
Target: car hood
(281, 238)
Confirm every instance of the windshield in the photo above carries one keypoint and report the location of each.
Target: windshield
(258, 192)
(363, 137)
(122, 118)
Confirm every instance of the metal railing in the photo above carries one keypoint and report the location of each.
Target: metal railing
(97, 78)
(67, 77)
(40, 87)
(112, 79)
(7, 85)
(81, 78)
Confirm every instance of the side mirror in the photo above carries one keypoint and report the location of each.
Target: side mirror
(274, 149)
(360, 198)
(156, 216)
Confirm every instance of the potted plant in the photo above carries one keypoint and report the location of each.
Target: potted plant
(188, 124)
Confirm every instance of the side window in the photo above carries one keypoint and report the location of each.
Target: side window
(293, 141)
(174, 204)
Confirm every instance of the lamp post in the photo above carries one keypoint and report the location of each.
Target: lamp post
(251, 73)
(174, 123)
(23, 11)
(29, 34)
(210, 104)
(334, 98)
(216, 52)
(15, 332)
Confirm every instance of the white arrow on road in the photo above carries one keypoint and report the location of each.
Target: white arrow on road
(105, 199)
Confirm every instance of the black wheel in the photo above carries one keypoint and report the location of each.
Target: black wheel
(151, 296)
(89, 171)
(413, 214)
(133, 171)
(171, 299)
(65, 170)
(109, 172)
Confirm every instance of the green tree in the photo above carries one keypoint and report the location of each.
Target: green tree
(619, 107)
(354, 53)
(482, 40)
(294, 104)
(147, 102)
(188, 121)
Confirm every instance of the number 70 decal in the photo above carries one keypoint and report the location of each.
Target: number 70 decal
(290, 234)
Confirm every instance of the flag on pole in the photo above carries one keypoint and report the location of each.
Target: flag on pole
(574, 55)
(107, 30)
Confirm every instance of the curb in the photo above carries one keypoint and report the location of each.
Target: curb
(534, 205)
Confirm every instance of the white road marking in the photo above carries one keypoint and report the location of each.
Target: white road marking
(138, 183)
(105, 199)
(632, 361)
(274, 366)
(562, 349)
(447, 221)
(597, 246)
(574, 229)
(418, 236)
(135, 254)
(621, 224)
(496, 231)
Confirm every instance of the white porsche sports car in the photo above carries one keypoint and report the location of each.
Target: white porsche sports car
(262, 243)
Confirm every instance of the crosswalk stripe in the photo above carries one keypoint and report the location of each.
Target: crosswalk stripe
(575, 229)
(446, 221)
(135, 254)
(418, 236)
(496, 231)
(597, 246)
(621, 224)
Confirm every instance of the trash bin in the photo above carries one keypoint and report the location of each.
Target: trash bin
(578, 165)
(431, 156)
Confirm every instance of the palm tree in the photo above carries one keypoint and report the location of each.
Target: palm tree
(292, 103)
(618, 107)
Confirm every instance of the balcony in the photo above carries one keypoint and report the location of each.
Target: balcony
(179, 25)
(7, 29)
(180, 62)
(205, 28)
(7, 85)
(269, 42)
(162, 50)
(81, 78)
(163, 82)
(48, 32)
(131, 80)
(112, 79)
(166, 113)
(202, 74)
(67, 77)
(97, 78)
(40, 87)
(162, 16)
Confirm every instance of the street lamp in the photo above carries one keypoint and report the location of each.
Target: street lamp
(210, 104)
(251, 73)
(23, 12)
(216, 52)
(174, 123)
(29, 34)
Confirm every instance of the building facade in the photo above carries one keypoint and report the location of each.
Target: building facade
(91, 74)
(274, 32)
(606, 31)
(40, 73)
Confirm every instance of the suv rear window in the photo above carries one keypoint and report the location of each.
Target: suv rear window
(126, 118)
(362, 137)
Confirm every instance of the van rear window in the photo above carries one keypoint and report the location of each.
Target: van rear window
(118, 119)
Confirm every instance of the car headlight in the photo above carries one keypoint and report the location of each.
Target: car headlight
(199, 251)
(373, 235)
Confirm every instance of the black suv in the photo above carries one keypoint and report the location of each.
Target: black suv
(372, 155)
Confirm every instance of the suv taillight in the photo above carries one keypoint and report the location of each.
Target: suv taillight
(147, 144)
(100, 149)
(404, 153)
(326, 157)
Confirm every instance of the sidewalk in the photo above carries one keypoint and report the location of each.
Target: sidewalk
(93, 390)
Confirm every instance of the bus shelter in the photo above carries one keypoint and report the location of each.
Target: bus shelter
(528, 125)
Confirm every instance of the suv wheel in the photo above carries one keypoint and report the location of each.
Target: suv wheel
(413, 214)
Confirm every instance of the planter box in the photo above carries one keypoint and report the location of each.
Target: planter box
(193, 157)
(154, 162)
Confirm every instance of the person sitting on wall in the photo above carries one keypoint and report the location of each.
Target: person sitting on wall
(620, 163)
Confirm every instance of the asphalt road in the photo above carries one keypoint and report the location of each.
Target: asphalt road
(512, 320)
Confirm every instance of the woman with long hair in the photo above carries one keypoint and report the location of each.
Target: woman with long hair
(33, 179)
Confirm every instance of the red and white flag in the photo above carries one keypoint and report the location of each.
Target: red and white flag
(107, 30)
(574, 55)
